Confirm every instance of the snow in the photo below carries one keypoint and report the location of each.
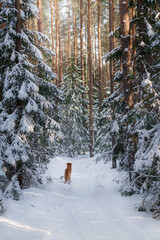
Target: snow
(150, 31)
(22, 93)
(31, 106)
(91, 208)
(26, 125)
(147, 81)
(9, 123)
(115, 127)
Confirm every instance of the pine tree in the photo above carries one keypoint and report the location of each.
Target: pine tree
(99, 52)
(73, 112)
(27, 119)
(90, 80)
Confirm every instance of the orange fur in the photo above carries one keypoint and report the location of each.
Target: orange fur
(67, 173)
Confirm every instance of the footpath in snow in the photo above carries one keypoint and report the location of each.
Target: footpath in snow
(91, 208)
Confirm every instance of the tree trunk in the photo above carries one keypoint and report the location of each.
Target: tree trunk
(90, 81)
(52, 32)
(111, 46)
(60, 58)
(120, 21)
(133, 32)
(126, 54)
(39, 5)
(1, 88)
(127, 82)
(141, 14)
(82, 57)
(18, 49)
(56, 23)
(100, 53)
(69, 37)
(86, 51)
(18, 25)
(75, 33)
(81, 36)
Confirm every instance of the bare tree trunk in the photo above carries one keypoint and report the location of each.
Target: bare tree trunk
(100, 53)
(90, 81)
(75, 33)
(18, 49)
(69, 36)
(113, 23)
(1, 88)
(86, 50)
(52, 32)
(95, 48)
(110, 46)
(127, 82)
(82, 57)
(133, 31)
(120, 21)
(126, 54)
(60, 58)
(39, 5)
(18, 25)
(56, 23)
(81, 36)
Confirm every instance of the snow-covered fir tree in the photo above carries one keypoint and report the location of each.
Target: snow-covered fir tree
(136, 131)
(74, 112)
(28, 127)
(147, 110)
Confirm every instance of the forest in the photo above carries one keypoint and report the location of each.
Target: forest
(77, 77)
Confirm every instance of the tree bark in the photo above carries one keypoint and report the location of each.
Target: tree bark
(1, 88)
(111, 45)
(133, 31)
(18, 49)
(81, 36)
(100, 53)
(56, 23)
(82, 57)
(75, 33)
(127, 82)
(39, 5)
(90, 81)
(60, 58)
(69, 37)
(120, 21)
(126, 54)
(18, 25)
(141, 14)
(52, 32)
(86, 51)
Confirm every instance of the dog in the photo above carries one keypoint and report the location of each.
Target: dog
(67, 173)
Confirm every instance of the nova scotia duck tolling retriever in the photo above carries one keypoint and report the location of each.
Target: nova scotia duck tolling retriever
(67, 173)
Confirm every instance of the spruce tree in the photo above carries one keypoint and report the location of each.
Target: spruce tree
(146, 174)
(73, 112)
(27, 110)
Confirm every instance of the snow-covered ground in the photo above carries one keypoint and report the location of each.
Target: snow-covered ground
(91, 208)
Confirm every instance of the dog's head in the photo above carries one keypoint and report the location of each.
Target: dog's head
(69, 165)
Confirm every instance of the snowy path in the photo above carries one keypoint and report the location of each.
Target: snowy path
(91, 208)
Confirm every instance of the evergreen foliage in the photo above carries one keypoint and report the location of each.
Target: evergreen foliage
(74, 112)
(137, 141)
(28, 127)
